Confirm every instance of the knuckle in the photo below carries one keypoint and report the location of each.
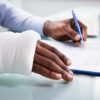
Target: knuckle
(54, 57)
(64, 67)
(53, 49)
(72, 33)
(63, 58)
(63, 73)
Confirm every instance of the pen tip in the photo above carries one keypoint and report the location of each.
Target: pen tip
(82, 44)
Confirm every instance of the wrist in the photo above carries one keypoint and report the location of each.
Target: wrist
(46, 28)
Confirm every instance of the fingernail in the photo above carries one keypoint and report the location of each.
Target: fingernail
(71, 73)
(77, 37)
(69, 62)
(58, 76)
(70, 77)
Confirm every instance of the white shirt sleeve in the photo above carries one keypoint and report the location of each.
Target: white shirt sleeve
(17, 51)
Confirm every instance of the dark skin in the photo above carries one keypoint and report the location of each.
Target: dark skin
(65, 30)
(50, 62)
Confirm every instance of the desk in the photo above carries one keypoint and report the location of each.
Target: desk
(34, 87)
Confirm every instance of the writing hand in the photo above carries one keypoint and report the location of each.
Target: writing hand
(65, 30)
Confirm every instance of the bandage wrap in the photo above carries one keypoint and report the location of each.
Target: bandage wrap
(17, 51)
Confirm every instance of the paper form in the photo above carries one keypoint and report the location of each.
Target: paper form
(85, 58)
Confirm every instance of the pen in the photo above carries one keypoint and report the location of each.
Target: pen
(77, 26)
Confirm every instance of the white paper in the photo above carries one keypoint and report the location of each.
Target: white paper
(88, 15)
(85, 58)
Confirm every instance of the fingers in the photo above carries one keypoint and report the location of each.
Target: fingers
(37, 68)
(73, 34)
(51, 61)
(47, 63)
(71, 30)
(63, 38)
(45, 72)
(66, 76)
(84, 30)
(48, 54)
(52, 66)
(58, 53)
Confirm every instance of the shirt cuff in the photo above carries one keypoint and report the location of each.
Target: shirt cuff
(37, 24)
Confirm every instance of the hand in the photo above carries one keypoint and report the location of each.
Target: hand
(51, 63)
(65, 30)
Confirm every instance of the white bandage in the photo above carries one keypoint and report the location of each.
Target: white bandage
(17, 51)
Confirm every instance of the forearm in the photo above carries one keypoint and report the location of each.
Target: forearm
(18, 20)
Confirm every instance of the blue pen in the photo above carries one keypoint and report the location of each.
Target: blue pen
(77, 26)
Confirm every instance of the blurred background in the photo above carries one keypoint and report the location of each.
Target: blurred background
(48, 7)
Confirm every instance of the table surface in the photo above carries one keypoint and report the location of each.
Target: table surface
(35, 87)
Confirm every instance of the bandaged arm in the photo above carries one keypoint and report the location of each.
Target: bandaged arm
(17, 52)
